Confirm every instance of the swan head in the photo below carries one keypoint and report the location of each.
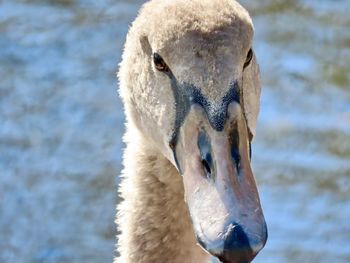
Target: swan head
(190, 84)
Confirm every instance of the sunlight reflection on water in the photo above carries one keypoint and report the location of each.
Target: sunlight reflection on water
(61, 128)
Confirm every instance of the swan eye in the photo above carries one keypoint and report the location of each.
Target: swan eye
(159, 63)
(249, 58)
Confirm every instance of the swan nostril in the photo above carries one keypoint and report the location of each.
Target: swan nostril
(206, 166)
(234, 141)
(204, 147)
(236, 157)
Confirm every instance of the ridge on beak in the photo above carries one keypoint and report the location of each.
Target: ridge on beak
(220, 188)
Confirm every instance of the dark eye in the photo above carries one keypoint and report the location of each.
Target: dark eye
(159, 63)
(249, 58)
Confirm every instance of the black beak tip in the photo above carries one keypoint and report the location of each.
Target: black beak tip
(235, 248)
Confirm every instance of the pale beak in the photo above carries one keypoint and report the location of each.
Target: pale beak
(220, 188)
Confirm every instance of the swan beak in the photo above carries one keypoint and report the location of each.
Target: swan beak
(220, 188)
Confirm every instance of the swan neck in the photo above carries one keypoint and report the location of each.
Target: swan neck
(153, 218)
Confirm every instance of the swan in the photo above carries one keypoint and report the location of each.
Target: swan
(190, 85)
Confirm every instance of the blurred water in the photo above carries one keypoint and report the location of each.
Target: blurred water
(61, 124)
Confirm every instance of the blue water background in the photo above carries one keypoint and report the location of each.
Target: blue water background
(61, 123)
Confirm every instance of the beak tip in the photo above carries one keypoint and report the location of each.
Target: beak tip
(236, 247)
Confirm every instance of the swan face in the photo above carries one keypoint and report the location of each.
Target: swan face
(190, 84)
